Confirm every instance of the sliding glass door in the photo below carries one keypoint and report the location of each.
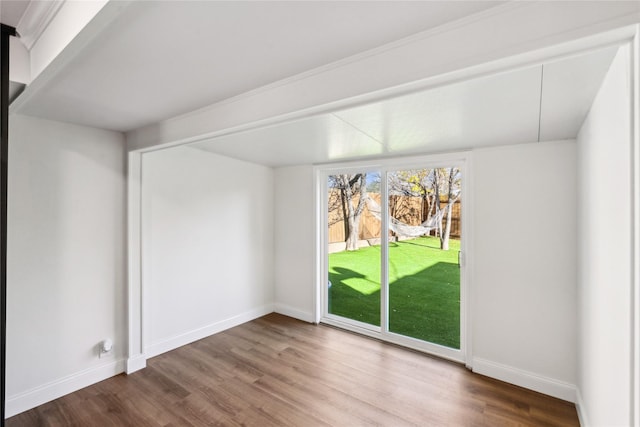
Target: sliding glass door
(423, 254)
(354, 237)
(392, 252)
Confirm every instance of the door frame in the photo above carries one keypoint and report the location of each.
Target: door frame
(463, 160)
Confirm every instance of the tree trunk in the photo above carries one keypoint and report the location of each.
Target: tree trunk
(432, 205)
(426, 208)
(354, 233)
(444, 239)
(350, 185)
(352, 228)
(437, 203)
(344, 213)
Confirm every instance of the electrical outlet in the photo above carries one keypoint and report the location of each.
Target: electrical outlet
(105, 348)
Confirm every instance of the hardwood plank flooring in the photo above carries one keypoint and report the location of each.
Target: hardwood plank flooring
(277, 371)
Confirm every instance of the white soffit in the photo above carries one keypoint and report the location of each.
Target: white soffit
(311, 140)
(501, 109)
(160, 59)
(495, 110)
(570, 86)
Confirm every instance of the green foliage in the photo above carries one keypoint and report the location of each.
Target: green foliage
(424, 290)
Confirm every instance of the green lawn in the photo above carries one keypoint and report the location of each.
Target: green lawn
(424, 290)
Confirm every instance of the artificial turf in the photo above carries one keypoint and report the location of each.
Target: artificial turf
(424, 288)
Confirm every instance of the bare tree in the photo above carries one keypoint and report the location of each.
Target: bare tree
(414, 183)
(453, 194)
(399, 189)
(438, 185)
(438, 189)
(431, 185)
(353, 194)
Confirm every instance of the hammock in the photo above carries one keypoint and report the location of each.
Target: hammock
(399, 227)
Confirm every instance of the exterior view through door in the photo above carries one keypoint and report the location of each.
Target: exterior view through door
(393, 251)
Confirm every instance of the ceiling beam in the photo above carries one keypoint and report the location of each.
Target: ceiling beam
(511, 36)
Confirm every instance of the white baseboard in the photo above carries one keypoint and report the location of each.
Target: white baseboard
(582, 415)
(47, 392)
(287, 310)
(136, 363)
(519, 377)
(205, 331)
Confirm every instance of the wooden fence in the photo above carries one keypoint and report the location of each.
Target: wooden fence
(404, 208)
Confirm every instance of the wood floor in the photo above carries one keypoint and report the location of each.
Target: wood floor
(277, 371)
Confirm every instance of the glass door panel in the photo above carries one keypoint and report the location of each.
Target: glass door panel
(423, 254)
(353, 240)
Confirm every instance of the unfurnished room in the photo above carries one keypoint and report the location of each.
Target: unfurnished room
(320, 213)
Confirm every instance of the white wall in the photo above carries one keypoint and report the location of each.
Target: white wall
(208, 245)
(524, 283)
(604, 252)
(66, 289)
(524, 280)
(295, 233)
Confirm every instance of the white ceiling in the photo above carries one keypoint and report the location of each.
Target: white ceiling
(161, 59)
(11, 11)
(490, 111)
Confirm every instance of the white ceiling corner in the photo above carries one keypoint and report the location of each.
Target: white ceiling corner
(35, 19)
(570, 87)
(11, 11)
